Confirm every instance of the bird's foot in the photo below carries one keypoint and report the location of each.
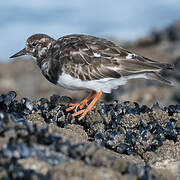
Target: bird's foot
(72, 106)
(89, 107)
(82, 104)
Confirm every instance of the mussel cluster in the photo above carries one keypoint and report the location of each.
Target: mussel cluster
(125, 128)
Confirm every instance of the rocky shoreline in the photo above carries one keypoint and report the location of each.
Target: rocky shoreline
(134, 133)
(40, 140)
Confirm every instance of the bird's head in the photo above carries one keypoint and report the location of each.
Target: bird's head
(37, 46)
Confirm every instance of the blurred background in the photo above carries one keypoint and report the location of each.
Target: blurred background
(150, 28)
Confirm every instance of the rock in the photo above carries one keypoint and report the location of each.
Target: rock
(79, 170)
(127, 137)
(72, 132)
(35, 165)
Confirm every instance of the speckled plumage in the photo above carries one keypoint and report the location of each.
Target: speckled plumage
(86, 62)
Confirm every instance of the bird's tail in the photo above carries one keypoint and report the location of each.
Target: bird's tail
(159, 76)
(165, 66)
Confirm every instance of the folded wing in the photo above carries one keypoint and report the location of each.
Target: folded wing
(91, 58)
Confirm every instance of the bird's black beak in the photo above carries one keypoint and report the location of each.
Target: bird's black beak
(20, 53)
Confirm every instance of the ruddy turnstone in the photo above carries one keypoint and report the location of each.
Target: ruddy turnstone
(83, 62)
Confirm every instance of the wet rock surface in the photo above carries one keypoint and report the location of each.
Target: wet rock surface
(121, 140)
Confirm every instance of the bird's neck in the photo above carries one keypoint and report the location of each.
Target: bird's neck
(40, 61)
(49, 70)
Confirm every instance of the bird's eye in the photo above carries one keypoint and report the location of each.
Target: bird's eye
(33, 44)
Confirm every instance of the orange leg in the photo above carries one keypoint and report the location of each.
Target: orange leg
(89, 108)
(82, 103)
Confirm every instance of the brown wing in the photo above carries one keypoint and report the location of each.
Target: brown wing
(90, 58)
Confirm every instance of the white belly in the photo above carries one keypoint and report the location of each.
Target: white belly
(106, 85)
